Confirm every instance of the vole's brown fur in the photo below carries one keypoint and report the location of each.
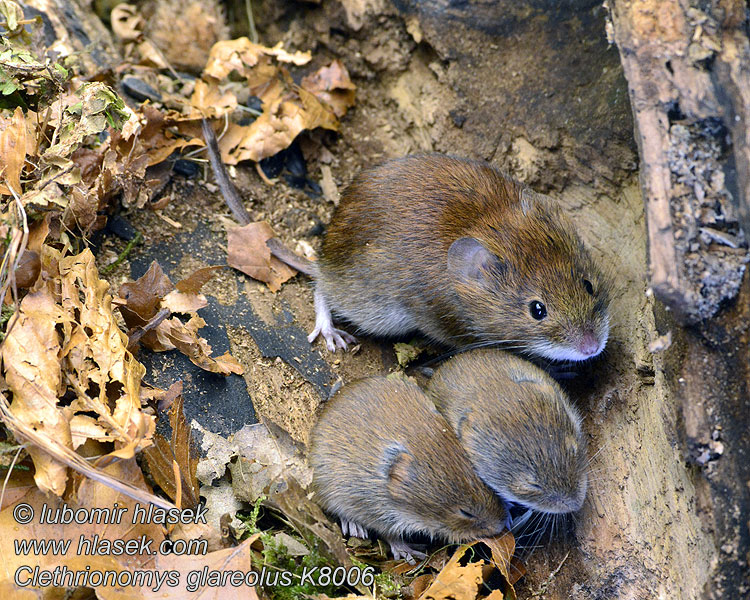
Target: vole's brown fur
(518, 427)
(384, 458)
(453, 248)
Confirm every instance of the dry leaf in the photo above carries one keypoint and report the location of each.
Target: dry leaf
(287, 109)
(213, 564)
(105, 376)
(177, 302)
(12, 151)
(143, 296)
(502, 548)
(127, 23)
(184, 337)
(66, 326)
(193, 283)
(310, 522)
(179, 450)
(156, 140)
(247, 251)
(333, 86)
(266, 460)
(187, 297)
(241, 55)
(32, 366)
(456, 581)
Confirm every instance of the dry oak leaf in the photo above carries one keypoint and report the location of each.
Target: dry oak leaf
(224, 570)
(241, 54)
(12, 152)
(503, 547)
(143, 296)
(211, 100)
(184, 337)
(156, 140)
(153, 291)
(247, 252)
(32, 368)
(105, 376)
(333, 86)
(178, 450)
(456, 581)
(89, 494)
(281, 122)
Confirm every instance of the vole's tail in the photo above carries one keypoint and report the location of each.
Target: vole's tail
(294, 260)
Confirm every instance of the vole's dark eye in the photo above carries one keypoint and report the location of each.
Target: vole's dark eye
(466, 514)
(588, 286)
(537, 310)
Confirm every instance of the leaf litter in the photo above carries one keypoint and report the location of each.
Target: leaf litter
(71, 152)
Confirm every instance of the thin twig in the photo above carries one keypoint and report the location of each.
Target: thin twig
(51, 179)
(153, 323)
(251, 21)
(7, 477)
(228, 189)
(543, 588)
(124, 254)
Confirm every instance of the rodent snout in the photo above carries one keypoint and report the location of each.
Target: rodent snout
(589, 344)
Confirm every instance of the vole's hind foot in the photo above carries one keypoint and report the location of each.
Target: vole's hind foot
(335, 338)
(353, 529)
(403, 551)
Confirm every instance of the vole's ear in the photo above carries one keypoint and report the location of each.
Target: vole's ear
(470, 260)
(463, 425)
(395, 466)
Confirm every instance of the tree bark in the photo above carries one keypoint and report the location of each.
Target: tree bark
(687, 70)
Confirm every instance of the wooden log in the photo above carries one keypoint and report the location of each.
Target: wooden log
(71, 27)
(690, 95)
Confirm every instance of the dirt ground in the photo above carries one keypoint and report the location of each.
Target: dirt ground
(491, 96)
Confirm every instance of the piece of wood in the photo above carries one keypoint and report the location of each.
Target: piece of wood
(690, 93)
(71, 27)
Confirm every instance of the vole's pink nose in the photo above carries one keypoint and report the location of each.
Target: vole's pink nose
(589, 344)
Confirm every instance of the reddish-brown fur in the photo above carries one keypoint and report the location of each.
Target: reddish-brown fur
(386, 263)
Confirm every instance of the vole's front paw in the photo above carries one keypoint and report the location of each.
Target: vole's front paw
(402, 551)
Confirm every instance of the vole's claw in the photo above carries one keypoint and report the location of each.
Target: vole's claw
(353, 529)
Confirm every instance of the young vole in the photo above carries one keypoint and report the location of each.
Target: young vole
(517, 426)
(384, 459)
(456, 250)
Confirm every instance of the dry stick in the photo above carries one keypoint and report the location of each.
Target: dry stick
(234, 202)
(251, 21)
(543, 588)
(51, 179)
(152, 324)
(228, 190)
(7, 477)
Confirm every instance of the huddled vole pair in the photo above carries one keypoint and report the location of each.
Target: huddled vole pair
(385, 459)
(454, 249)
